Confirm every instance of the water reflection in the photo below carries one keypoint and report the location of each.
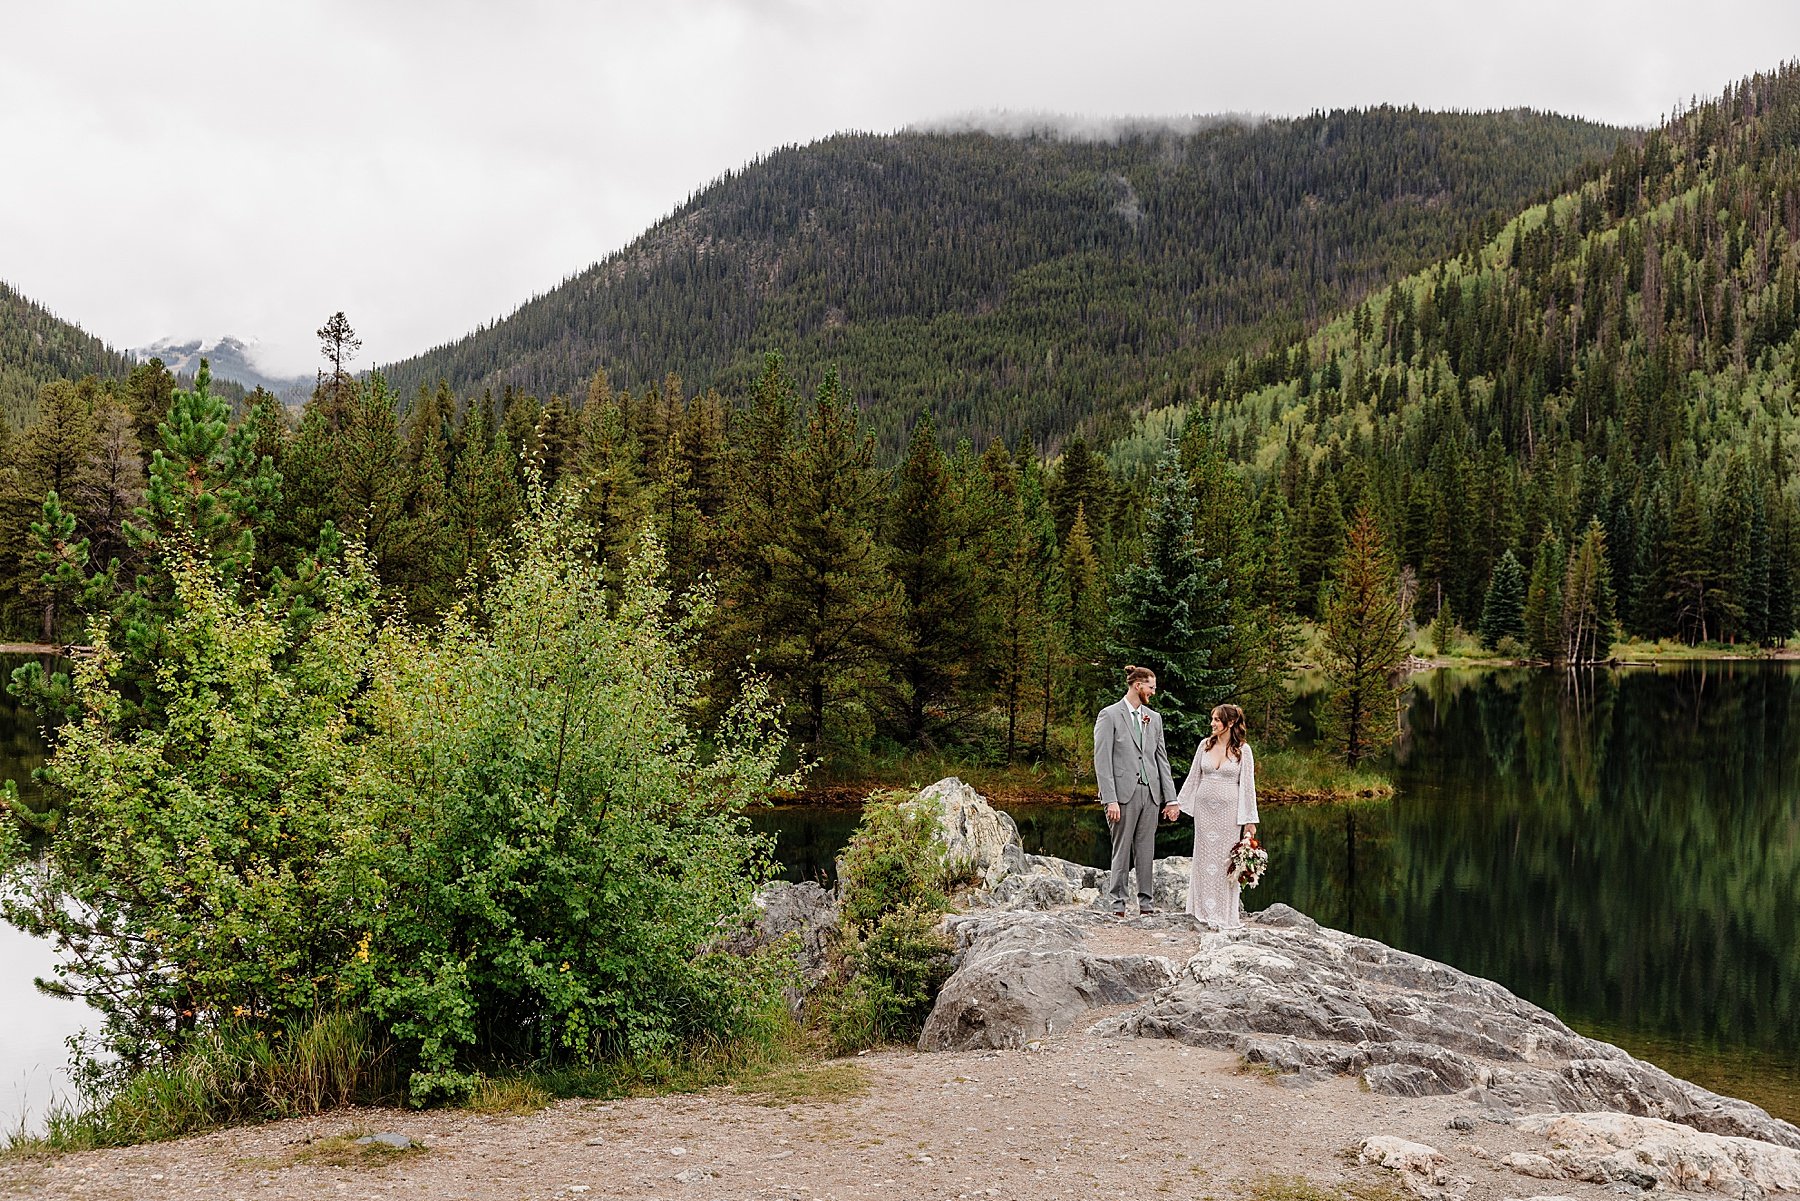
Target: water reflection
(1622, 847)
(33, 1054)
(33, 1027)
(21, 743)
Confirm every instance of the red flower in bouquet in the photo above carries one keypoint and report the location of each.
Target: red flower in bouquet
(1246, 862)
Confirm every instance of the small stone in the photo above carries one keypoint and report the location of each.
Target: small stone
(1462, 1122)
(1527, 1164)
(396, 1142)
(579, 1188)
(678, 1152)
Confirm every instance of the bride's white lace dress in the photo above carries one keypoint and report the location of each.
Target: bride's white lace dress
(1221, 800)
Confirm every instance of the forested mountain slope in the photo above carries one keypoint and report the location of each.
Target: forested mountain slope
(1614, 373)
(1022, 285)
(37, 347)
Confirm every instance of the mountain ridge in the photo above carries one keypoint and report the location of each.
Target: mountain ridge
(1020, 285)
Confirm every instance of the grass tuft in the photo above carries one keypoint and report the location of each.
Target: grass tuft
(343, 1151)
(1299, 1188)
(227, 1076)
(508, 1094)
(799, 1084)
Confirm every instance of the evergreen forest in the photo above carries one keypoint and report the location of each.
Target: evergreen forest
(1022, 287)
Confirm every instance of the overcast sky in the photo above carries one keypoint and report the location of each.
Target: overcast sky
(196, 169)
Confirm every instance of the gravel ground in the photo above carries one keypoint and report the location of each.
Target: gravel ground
(1077, 1116)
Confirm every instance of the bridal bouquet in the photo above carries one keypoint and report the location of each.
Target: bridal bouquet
(1248, 859)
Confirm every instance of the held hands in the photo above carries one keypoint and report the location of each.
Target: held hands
(1171, 812)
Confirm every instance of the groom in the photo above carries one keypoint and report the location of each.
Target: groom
(1131, 766)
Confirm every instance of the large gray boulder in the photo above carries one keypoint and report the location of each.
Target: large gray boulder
(1286, 992)
(1025, 975)
(975, 834)
(805, 912)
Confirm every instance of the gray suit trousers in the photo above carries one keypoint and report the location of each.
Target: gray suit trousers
(1134, 843)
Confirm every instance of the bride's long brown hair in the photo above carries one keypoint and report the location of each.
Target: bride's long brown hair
(1233, 719)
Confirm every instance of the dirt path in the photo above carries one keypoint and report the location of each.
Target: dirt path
(1078, 1117)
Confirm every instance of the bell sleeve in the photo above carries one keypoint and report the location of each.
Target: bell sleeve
(1184, 800)
(1247, 789)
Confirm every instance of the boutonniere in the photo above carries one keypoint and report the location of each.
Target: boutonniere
(1144, 717)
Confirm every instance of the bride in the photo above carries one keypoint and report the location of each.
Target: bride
(1220, 795)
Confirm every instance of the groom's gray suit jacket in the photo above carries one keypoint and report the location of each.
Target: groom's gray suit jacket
(1117, 756)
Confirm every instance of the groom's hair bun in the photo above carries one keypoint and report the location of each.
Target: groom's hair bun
(1133, 673)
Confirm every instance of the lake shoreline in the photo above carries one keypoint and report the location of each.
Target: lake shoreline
(854, 796)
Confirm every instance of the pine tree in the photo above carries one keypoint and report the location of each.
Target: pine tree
(1364, 645)
(1016, 551)
(338, 343)
(1320, 545)
(1587, 600)
(1503, 611)
(830, 619)
(931, 560)
(607, 469)
(58, 563)
(373, 483)
(54, 449)
(149, 392)
(113, 484)
(756, 516)
(1081, 481)
(1268, 634)
(484, 498)
(1169, 610)
(1084, 638)
(207, 483)
(426, 573)
(1692, 574)
(1543, 601)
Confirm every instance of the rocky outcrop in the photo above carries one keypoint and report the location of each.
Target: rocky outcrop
(1421, 1168)
(1645, 1153)
(1037, 954)
(975, 834)
(1285, 992)
(805, 912)
(1024, 976)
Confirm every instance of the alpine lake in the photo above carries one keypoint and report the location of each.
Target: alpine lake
(1620, 846)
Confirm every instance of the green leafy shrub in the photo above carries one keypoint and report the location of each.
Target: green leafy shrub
(895, 971)
(559, 854)
(213, 866)
(499, 841)
(894, 859)
(892, 956)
